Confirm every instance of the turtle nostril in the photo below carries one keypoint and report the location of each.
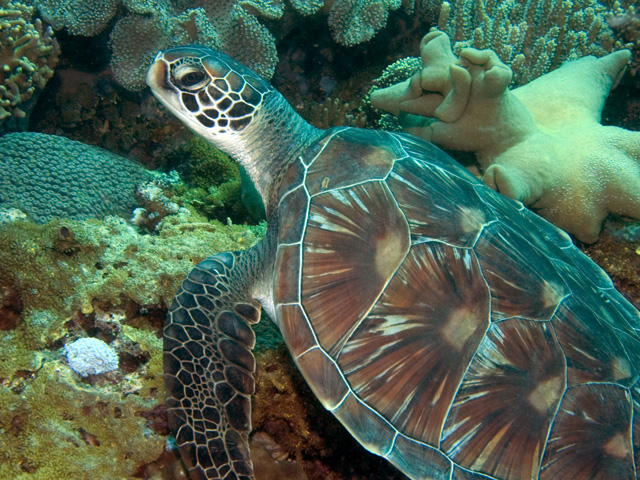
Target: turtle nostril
(157, 75)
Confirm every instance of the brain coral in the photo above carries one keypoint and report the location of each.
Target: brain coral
(28, 55)
(47, 176)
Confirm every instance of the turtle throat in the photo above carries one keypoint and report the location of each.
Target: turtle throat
(270, 144)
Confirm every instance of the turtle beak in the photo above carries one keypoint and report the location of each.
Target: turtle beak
(157, 75)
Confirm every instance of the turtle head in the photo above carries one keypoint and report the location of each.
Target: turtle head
(232, 107)
(214, 95)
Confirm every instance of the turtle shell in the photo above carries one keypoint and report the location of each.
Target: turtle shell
(447, 327)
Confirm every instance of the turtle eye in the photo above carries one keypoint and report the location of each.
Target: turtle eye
(191, 78)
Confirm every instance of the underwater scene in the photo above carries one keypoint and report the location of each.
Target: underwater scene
(432, 206)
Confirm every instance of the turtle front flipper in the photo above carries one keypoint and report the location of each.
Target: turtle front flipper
(209, 367)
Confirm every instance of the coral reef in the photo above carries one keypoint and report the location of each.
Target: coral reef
(542, 143)
(225, 25)
(101, 279)
(213, 184)
(619, 256)
(90, 356)
(533, 37)
(55, 427)
(79, 17)
(28, 56)
(155, 206)
(93, 109)
(208, 166)
(48, 176)
(136, 38)
(149, 26)
(335, 113)
(357, 21)
(236, 27)
(624, 20)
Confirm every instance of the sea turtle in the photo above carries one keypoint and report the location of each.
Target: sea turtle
(450, 330)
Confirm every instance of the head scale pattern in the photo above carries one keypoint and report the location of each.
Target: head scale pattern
(219, 92)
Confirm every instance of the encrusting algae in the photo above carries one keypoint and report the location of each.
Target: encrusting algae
(67, 279)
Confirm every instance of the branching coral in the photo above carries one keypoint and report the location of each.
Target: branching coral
(624, 20)
(28, 55)
(535, 36)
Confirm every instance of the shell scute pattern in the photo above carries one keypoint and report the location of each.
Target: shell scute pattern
(438, 320)
(300, 338)
(422, 327)
(292, 215)
(523, 281)
(349, 159)
(607, 430)
(438, 206)
(578, 327)
(487, 429)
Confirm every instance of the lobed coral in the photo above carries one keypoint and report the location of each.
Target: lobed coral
(29, 54)
(47, 176)
(541, 144)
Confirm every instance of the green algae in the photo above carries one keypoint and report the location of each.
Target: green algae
(213, 184)
(209, 166)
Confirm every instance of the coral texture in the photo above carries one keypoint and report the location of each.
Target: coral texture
(63, 280)
(28, 56)
(232, 26)
(55, 427)
(79, 17)
(48, 176)
(222, 24)
(357, 21)
(533, 37)
(136, 38)
(90, 356)
(542, 143)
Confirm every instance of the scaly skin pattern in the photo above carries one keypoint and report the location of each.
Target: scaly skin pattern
(450, 330)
